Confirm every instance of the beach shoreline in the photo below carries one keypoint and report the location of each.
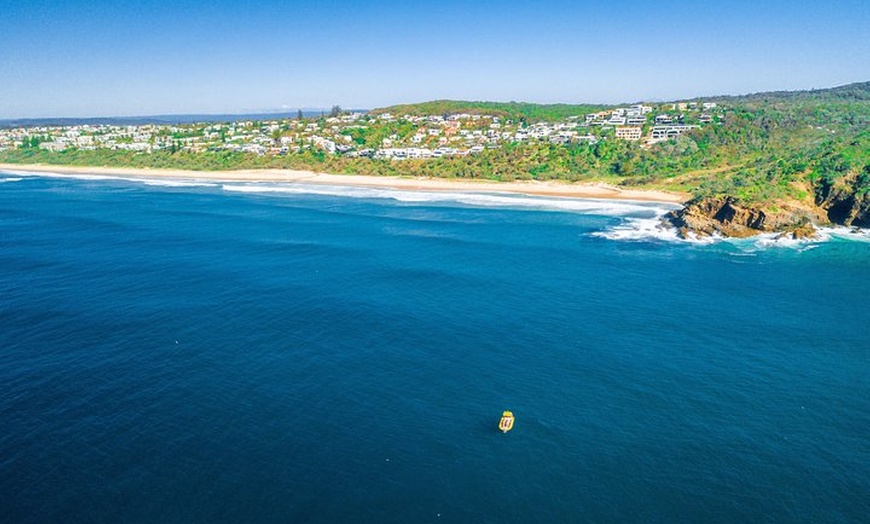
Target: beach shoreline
(535, 188)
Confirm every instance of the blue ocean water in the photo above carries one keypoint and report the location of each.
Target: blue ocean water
(195, 352)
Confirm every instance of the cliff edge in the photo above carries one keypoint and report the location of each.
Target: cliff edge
(834, 203)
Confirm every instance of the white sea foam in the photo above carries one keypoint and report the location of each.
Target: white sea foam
(638, 229)
(8, 180)
(585, 206)
(17, 173)
(646, 229)
(847, 233)
(272, 188)
(78, 176)
(766, 240)
(823, 234)
(174, 182)
(163, 182)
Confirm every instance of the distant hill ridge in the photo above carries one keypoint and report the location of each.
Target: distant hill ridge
(855, 92)
(514, 110)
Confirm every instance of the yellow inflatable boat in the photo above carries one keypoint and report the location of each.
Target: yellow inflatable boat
(507, 422)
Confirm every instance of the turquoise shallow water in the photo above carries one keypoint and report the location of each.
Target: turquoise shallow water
(264, 353)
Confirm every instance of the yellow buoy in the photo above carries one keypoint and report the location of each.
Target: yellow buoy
(507, 422)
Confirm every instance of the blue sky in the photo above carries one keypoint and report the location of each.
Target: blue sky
(89, 58)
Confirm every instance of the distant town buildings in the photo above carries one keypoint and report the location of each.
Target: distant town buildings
(629, 133)
(660, 133)
(353, 135)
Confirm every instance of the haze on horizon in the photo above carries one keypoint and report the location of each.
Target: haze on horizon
(82, 59)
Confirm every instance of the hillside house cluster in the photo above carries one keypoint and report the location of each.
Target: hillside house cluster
(373, 135)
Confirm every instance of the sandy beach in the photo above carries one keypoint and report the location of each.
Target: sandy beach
(538, 188)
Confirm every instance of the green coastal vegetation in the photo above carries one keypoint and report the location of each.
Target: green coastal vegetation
(759, 150)
(519, 111)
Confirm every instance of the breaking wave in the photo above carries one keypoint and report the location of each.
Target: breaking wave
(175, 183)
(162, 182)
(823, 234)
(474, 199)
(655, 229)
(645, 229)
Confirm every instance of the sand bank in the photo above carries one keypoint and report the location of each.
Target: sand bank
(547, 188)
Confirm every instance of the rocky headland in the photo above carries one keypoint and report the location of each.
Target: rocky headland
(833, 204)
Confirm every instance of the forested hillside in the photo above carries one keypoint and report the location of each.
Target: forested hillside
(508, 110)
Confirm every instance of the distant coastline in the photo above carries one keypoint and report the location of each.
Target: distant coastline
(537, 188)
(777, 162)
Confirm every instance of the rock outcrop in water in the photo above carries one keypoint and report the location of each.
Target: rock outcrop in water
(725, 216)
(837, 204)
